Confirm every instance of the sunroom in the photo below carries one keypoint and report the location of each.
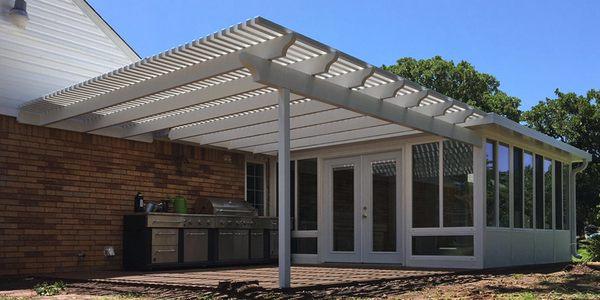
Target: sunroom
(360, 165)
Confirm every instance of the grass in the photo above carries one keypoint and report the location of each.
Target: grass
(49, 289)
(584, 253)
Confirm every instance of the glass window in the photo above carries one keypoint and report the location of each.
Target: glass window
(503, 185)
(384, 205)
(539, 192)
(425, 185)
(518, 187)
(255, 186)
(343, 208)
(458, 184)
(566, 196)
(307, 194)
(490, 175)
(457, 245)
(558, 195)
(547, 194)
(528, 190)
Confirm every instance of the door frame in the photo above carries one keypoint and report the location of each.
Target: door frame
(368, 255)
(363, 235)
(341, 256)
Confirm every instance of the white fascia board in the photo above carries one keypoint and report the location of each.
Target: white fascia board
(226, 63)
(501, 121)
(279, 76)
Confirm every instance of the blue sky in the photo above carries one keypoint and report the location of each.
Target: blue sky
(532, 47)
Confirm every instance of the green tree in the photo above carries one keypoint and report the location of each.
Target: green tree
(460, 81)
(575, 119)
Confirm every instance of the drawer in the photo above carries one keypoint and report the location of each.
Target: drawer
(164, 254)
(165, 236)
(166, 221)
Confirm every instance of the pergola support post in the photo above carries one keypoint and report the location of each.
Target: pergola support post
(283, 155)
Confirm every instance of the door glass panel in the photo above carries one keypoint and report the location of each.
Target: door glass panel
(384, 205)
(343, 208)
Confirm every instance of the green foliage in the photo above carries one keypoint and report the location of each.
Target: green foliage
(575, 119)
(593, 249)
(460, 81)
(49, 289)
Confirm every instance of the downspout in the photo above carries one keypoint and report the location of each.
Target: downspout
(572, 217)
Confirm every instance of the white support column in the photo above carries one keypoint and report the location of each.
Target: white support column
(283, 155)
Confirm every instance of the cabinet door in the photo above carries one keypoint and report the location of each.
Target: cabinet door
(257, 243)
(195, 245)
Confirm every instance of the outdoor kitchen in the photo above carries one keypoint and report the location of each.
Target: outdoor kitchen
(223, 232)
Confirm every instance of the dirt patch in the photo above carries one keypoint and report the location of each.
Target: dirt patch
(571, 282)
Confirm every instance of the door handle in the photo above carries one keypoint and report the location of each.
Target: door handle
(364, 213)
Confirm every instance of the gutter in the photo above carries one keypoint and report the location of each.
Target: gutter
(572, 217)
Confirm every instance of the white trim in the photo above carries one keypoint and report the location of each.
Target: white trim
(264, 164)
(87, 9)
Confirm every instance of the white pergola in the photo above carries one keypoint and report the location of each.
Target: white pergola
(255, 87)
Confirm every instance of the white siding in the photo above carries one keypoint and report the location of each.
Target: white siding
(64, 43)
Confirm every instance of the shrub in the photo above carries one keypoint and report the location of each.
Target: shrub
(49, 289)
(593, 248)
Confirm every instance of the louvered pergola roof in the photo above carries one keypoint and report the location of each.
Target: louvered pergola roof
(221, 90)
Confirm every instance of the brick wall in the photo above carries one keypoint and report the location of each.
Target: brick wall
(62, 193)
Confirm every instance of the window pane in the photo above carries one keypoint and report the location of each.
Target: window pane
(491, 166)
(458, 184)
(384, 205)
(307, 194)
(547, 194)
(528, 187)
(565, 197)
(458, 245)
(343, 208)
(518, 187)
(539, 192)
(503, 185)
(558, 194)
(425, 161)
(255, 185)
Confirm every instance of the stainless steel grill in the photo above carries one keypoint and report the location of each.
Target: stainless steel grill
(230, 207)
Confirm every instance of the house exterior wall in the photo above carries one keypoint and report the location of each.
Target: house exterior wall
(64, 193)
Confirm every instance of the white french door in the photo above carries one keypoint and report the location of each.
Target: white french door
(363, 209)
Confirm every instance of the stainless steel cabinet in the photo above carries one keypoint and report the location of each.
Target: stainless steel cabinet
(257, 244)
(195, 245)
(233, 244)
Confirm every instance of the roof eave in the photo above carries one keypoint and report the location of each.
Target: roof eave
(494, 119)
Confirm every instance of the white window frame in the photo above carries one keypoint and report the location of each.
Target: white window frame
(440, 230)
(265, 179)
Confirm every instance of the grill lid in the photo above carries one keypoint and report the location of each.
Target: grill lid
(221, 206)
